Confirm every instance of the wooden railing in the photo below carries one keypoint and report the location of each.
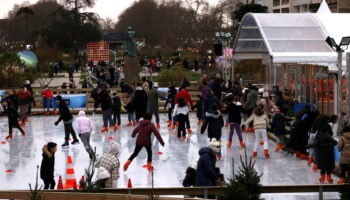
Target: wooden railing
(124, 193)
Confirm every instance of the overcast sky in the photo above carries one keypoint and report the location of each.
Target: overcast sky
(105, 8)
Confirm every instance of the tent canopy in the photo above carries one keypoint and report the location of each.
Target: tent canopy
(291, 37)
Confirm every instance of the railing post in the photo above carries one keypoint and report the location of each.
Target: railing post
(320, 192)
(129, 192)
(205, 193)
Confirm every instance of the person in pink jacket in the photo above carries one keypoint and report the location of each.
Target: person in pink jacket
(84, 128)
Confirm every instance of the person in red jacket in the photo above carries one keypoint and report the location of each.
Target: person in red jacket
(48, 95)
(143, 132)
(187, 96)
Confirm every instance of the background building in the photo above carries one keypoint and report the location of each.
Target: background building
(300, 6)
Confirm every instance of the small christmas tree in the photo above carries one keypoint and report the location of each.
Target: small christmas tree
(88, 185)
(246, 185)
(35, 193)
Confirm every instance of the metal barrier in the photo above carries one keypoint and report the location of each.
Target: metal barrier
(203, 191)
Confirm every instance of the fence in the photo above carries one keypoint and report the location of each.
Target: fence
(131, 194)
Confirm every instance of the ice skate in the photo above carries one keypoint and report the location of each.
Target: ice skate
(242, 144)
(134, 123)
(9, 137)
(229, 144)
(115, 127)
(226, 125)
(279, 147)
(23, 133)
(169, 123)
(189, 131)
(266, 153)
(341, 181)
(315, 168)
(126, 165)
(261, 142)
(105, 129)
(47, 113)
(129, 124)
(329, 179)
(310, 161)
(65, 144)
(255, 154)
(322, 178)
(75, 141)
(150, 167)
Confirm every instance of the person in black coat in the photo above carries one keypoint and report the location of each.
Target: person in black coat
(12, 116)
(13, 97)
(67, 118)
(324, 143)
(126, 87)
(106, 105)
(278, 126)
(170, 103)
(116, 108)
(140, 102)
(48, 165)
(190, 178)
(216, 86)
(210, 99)
(214, 121)
(206, 174)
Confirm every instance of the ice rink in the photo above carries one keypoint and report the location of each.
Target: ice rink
(23, 154)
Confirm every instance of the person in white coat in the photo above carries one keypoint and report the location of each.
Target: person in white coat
(84, 128)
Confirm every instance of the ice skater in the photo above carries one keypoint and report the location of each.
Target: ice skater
(234, 111)
(214, 121)
(116, 108)
(278, 126)
(130, 110)
(324, 143)
(344, 148)
(23, 102)
(48, 165)
(170, 103)
(84, 128)
(12, 116)
(260, 121)
(152, 103)
(143, 132)
(67, 118)
(106, 105)
(181, 114)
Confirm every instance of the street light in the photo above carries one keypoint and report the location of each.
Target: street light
(344, 44)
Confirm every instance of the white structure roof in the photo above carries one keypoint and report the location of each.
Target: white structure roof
(292, 37)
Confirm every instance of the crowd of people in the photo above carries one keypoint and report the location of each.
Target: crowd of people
(221, 103)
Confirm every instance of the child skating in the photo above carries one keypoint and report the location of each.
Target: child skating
(181, 115)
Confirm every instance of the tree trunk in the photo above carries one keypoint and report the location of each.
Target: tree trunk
(132, 69)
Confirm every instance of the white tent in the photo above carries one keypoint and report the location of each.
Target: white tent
(291, 37)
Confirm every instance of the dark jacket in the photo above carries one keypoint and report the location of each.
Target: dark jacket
(216, 87)
(13, 98)
(278, 125)
(252, 97)
(117, 105)
(215, 122)
(47, 164)
(105, 100)
(126, 87)
(209, 100)
(12, 115)
(234, 111)
(65, 114)
(190, 178)
(140, 102)
(206, 175)
(153, 100)
(129, 107)
(144, 131)
(324, 143)
(171, 98)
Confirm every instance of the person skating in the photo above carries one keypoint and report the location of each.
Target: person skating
(187, 96)
(214, 121)
(106, 105)
(48, 95)
(29, 88)
(260, 121)
(170, 103)
(48, 165)
(152, 103)
(344, 148)
(234, 110)
(110, 162)
(23, 103)
(140, 102)
(210, 99)
(13, 97)
(143, 132)
(116, 108)
(181, 114)
(67, 118)
(278, 126)
(84, 128)
(324, 143)
(130, 110)
(12, 116)
(250, 104)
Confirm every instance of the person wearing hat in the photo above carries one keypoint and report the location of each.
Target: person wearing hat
(206, 174)
(102, 177)
(111, 164)
(67, 118)
(278, 126)
(266, 102)
(12, 116)
(152, 103)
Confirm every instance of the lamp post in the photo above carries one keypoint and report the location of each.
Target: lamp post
(225, 38)
(344, 44)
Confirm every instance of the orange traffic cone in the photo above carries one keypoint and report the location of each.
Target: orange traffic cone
(60, 184)
(129, 183)
(70, 175)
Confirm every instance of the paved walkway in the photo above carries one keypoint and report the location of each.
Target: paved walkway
(57, 82)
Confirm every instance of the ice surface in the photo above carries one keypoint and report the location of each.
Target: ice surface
(24, 154)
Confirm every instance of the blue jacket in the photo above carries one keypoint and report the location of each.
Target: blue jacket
(206, 175)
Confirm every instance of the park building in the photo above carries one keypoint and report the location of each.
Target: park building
(302, 6)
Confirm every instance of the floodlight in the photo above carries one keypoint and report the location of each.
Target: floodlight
(222, 34)
(331, 42)
(228, 34)
(345, 41)
(217, 34)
